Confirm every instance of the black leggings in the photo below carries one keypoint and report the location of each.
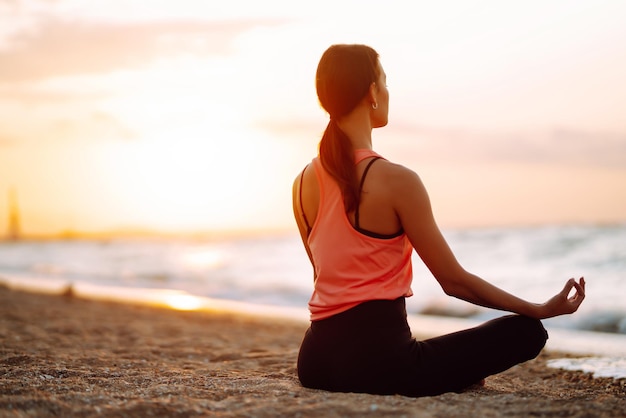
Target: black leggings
(370, 349)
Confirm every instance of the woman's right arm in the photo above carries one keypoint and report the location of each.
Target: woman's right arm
(298, 215)
(412, 206)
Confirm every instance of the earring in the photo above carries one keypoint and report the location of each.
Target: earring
(374, 105)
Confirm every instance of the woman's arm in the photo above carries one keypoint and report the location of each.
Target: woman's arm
(412, 206)
(297, 213)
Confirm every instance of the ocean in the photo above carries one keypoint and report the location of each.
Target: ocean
(271, 273)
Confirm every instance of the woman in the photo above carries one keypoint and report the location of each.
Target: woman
(360, 217)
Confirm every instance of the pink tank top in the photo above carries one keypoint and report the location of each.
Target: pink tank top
(351, 267)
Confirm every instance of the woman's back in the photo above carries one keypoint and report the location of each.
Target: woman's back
(376, 211)
(352, 265)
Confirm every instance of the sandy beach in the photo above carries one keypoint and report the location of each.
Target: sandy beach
(66, 356)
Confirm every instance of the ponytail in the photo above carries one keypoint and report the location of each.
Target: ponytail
(337, 157)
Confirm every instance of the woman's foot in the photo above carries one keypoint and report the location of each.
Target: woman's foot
(477, 385)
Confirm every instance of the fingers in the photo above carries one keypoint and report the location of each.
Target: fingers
(571, 303)
(580, 287)
(569, 285)
(562, 303)
(577, 298)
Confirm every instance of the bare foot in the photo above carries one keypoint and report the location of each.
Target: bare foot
(477, 385)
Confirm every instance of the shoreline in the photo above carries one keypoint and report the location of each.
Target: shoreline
(566, 340)
(69, 356)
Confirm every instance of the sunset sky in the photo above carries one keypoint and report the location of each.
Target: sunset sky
(192, 116)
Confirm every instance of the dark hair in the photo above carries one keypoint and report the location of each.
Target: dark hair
(344, 75)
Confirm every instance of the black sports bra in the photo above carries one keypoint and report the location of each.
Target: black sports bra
(356, 225)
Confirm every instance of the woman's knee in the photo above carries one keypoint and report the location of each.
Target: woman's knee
(533, 333)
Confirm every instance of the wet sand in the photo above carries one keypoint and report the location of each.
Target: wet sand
(66, 356)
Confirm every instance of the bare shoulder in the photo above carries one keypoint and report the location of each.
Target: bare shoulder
(398, 178)
(306, 192)
(306, 176)
(405, 192)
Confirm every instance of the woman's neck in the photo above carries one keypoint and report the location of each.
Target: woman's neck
(357, 126)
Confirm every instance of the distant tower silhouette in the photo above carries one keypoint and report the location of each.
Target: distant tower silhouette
(14, 217)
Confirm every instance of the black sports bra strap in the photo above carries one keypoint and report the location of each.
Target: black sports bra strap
(356, 212)
(306, 221)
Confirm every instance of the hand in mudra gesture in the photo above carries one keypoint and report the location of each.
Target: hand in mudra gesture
(564, 303)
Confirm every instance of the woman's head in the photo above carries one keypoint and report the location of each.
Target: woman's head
(344, 77)
(349, 77)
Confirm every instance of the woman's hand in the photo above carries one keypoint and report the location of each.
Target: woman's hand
(563, 303)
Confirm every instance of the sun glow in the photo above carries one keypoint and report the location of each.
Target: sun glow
(183, 182)
(195, 161)
(183, 301)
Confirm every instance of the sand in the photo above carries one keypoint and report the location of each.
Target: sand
(66, 356)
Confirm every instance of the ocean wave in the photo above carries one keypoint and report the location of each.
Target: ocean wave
(532, 263)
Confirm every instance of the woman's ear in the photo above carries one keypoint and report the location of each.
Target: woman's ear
(373, 93)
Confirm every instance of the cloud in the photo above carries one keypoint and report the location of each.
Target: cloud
(30, 96)
(552, 146)
(62, 47)
(605, 148)
(292, 126)
(87, 127)
(440, 143)
(93, 126)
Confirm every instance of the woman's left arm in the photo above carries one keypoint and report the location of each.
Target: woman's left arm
(412, 206)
